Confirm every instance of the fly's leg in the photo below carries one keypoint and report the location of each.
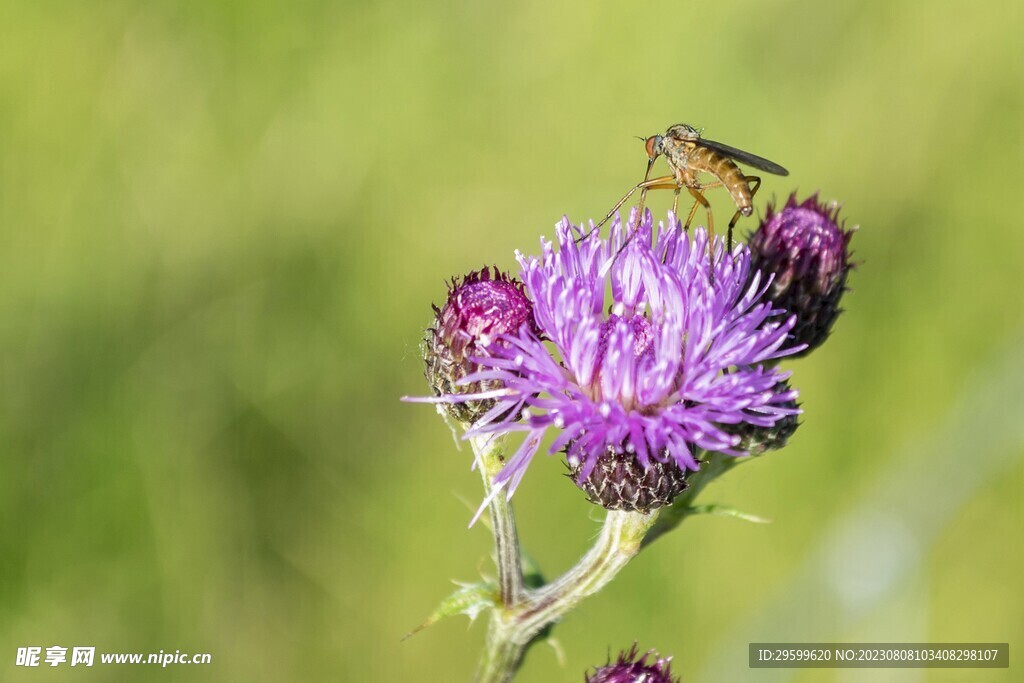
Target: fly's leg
(693, 210)
(753, 184)
(643, 192)
(662, 183)
(703, 201)
(689, 219)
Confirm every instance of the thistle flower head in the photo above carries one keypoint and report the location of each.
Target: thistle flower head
(652, 373)
(481, 307)
(807, 252)
(631, 667)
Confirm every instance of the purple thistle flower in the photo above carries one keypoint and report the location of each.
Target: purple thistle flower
(681, 349)
(631, 668)
(806, 250)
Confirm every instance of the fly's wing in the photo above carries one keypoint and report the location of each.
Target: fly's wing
(746, 158)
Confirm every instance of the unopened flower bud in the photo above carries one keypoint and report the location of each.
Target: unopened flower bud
(619, 482)
(631, 668)
(480, 308)
(807, 252)
(756, 440)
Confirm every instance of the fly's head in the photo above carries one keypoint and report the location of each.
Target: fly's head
(654, 148)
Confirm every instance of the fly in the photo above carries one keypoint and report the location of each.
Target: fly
(688, 154)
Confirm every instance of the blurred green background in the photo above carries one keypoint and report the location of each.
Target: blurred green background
(224, 224)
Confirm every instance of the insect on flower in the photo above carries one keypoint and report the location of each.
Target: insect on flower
(688, 154)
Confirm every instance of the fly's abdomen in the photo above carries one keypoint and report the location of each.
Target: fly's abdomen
(723, 168)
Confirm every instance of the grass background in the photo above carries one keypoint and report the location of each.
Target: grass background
(223, 225)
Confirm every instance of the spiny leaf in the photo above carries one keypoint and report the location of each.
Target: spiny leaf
(726, 511)
(470, 599)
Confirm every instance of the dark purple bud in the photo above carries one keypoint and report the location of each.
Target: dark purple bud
(483, 306)
(619, 482)
(806, 250)
(757, 440)
(629, 668)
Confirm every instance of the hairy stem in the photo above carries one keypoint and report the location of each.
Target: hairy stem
(503, 522)
(503, 652)
(618, 543)
(513, 629)
(524, 614)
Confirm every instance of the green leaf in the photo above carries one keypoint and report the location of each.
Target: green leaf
(470, 599)
(726, 511)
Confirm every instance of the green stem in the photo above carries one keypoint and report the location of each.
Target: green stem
(618, 543)
(503, 522)
(513, 629)
(524, 614)
(502, 652)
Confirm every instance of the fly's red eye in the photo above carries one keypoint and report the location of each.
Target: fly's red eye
(652, 145)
